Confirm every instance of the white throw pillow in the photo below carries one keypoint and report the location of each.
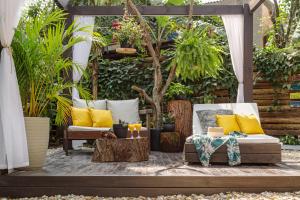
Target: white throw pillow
(125, 110)
(96, 104)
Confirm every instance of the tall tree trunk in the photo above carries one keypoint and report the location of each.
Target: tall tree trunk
(95, 79)
(278, 27)
(159, 88)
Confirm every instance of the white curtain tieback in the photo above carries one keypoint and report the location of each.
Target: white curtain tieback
(10, 56)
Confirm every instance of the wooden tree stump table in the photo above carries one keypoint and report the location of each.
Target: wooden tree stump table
(121, 150)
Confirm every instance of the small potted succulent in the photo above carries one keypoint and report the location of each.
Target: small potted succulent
(178, 91)
(168, 122)
(121, 129)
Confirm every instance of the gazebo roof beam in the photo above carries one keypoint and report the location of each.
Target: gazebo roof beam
(59, 4)
(158, 10)
(254, 4)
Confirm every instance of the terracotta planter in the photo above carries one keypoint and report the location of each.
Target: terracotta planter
(37, 131)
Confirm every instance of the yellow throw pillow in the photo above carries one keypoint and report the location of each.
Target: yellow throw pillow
(101, 118)
(249, 124)
(81, 117)
(228, 122)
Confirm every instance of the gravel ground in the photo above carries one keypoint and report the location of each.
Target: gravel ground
(221, 196)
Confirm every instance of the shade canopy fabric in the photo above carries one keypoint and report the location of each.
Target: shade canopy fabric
(13, 142)
(81, 51)
(234, 26)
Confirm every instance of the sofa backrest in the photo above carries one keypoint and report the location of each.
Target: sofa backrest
(237, 108)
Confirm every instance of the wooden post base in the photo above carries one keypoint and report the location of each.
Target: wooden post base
(170, 142)
(121, 150)
(182, 110)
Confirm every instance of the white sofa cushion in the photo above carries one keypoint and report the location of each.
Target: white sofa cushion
(252, 139)
(258, 138)
(125, 110)
(237, 108)
(96, 104)
(84, 128)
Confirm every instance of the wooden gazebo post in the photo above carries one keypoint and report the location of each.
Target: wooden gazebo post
(248, 48)
(248, 54)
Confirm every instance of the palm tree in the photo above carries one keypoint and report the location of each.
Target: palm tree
(38, 48)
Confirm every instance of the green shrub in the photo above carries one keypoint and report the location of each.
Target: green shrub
(276, 66)
(289, 140)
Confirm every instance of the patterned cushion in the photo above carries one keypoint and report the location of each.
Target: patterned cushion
(207, 118)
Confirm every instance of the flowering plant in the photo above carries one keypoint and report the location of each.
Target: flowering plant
(128, 33)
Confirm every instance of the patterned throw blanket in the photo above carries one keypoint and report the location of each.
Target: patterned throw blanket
(206, 146)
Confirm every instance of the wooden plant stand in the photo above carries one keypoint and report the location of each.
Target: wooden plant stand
(121, 150)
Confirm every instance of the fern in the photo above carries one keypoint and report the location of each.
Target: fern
(197, 55)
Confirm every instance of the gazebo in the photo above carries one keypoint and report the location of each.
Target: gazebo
(238, 21)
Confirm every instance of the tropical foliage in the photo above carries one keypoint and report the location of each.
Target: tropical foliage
(178, 89)
(38, 47)
(285, 18)
(197, 55)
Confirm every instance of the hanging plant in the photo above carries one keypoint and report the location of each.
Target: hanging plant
(197, 54)
(129, 34)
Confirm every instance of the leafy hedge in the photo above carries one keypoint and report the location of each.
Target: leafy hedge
(276, 65)
(116, 78)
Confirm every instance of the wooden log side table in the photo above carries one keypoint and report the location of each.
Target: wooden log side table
(121, 150)
(170, 142)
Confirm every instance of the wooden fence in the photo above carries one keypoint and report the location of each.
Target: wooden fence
(278, 116)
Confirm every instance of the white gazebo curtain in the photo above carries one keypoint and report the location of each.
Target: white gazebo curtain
(13, 142)
(64, 3)
(81, 51)
(234, 26)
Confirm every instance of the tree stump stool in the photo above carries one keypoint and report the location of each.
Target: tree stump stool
(170, 142)
(121, 150)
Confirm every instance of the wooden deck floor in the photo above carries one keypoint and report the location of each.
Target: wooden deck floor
(164, 173)
(160, 164)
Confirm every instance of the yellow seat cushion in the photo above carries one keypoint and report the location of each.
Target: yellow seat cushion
(249, 124)
(101, 118)
(228, 122)
(81, 117)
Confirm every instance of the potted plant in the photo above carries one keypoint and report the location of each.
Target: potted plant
(129, 34)
(168, 122)
(178, 91)
(38, 47)
(121, 129)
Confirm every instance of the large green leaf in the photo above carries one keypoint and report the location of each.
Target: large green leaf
(176, 2)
